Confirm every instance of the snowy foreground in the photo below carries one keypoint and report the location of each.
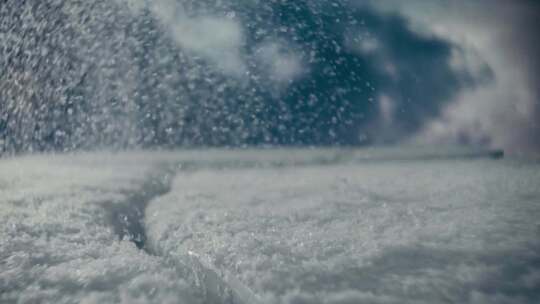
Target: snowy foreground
(274, 226)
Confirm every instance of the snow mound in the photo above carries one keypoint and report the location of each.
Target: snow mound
(356, 231)
(57, 242)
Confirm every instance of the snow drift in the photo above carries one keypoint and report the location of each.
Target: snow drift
(269, 226)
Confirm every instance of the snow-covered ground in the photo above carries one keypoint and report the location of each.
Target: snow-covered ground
(270, 226)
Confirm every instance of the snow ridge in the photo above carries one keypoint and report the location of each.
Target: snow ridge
(212, 285)
(127, 220)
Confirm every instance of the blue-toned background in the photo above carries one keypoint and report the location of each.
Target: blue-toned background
(180, 73)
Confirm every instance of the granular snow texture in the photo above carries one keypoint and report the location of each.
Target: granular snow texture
(270, 226)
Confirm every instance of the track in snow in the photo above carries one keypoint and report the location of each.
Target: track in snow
(277, 226)
(127, 217)
(127, 220)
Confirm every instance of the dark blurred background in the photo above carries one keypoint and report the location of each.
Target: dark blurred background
(180, 73)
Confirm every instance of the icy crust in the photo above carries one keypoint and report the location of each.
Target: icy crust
(458, 231)
(57, 242)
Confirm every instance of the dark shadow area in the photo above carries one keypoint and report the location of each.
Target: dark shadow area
(127, 217)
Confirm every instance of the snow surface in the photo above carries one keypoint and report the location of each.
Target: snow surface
(270, 226)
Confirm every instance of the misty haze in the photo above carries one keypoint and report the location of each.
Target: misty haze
(269, 151)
